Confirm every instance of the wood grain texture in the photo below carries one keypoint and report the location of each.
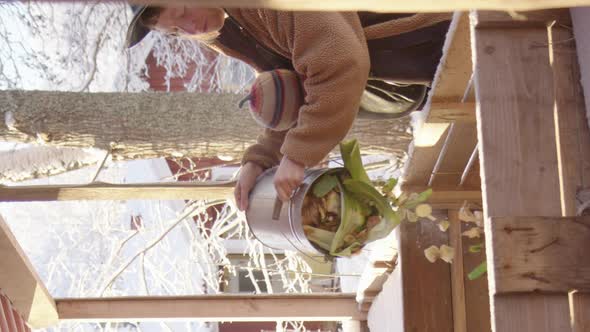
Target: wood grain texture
(534, 19)
(22, 285)
(448, 111)
(110, 191)
(214, 308)
(427, 298)
(573, 134)
(518, 159)
(581, 25)
(572, 137)
(580, 309)
(540, 254)
(457, 273)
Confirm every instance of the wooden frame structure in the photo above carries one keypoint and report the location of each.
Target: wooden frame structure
(518, 109)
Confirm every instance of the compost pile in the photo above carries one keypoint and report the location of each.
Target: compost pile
(345, 210)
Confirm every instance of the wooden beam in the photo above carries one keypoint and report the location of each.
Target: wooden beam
(540, 254)
(22, 285)
(110, 191)
(450, 88)
(426, 287)
(457, 273)
(214, 308)
(446, 104)
(580, 310)
(452, 111)
(573, 142)
(380, 5)
(515, 112)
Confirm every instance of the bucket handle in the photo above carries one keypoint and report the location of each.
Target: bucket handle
(276, 211)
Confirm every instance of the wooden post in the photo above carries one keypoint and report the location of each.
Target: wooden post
(457, 273)
(22, 285)
(471, 307)
(573, 141)
(427, 299)
(518, 153)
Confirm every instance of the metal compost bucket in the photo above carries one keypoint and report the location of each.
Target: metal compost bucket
(284, 230)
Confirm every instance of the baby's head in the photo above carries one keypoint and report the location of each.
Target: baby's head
(275, 99)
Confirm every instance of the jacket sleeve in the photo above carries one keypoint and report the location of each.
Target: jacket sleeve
(266, 151)
(329, 52)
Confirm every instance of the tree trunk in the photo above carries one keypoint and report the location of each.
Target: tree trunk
(149, 125)
(39, 161)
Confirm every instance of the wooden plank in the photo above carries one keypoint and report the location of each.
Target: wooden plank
(427, 299)
(477, 299)
(580, 306)
(573, 140)
(442, 199)
(540, 254)
(371, 282)
(454, 71)
(444, 104)
(524, 20)
(22, 285)
(581, 25)
(214, 308)
(380, 5)
(110, 191)
(457, 273)
(460, 147)
(450, 111)
(514, 87)
(423, 153)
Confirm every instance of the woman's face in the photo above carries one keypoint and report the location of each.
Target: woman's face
(190, 21)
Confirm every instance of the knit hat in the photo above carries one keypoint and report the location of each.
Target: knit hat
(275, 99)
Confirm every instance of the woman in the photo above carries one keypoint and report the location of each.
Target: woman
(328, 50)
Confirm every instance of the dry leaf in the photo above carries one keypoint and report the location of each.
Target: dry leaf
(432, 253)
(443, 225)
(447, 253)
(478, 218)
(466, 215)
(473, 232)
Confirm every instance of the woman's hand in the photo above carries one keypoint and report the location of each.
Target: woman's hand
(287, 178)
(248, 174)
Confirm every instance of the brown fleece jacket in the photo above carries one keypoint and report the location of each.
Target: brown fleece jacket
(329, 51)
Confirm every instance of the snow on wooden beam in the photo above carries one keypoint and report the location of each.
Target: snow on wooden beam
(214, 308)
(110, 191)
(381, 5)
(22, 285)
(540, 254)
